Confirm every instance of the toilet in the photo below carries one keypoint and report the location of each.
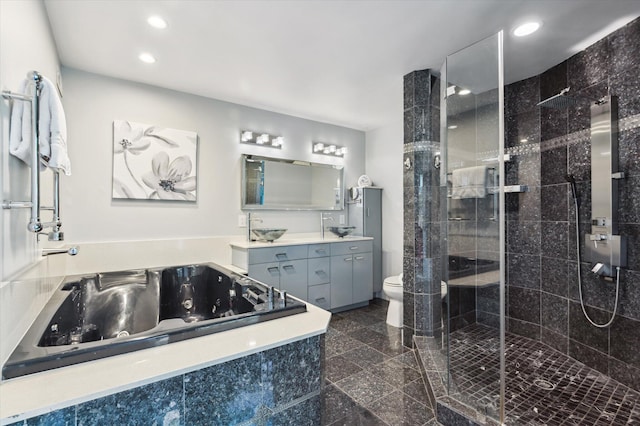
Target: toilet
(392, 288)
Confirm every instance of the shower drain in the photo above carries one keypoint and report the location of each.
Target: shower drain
(544, 384)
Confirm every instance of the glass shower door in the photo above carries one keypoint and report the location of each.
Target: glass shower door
(472, 132)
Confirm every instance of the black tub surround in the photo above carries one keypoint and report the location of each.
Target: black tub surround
(100, 315)
(275, 386)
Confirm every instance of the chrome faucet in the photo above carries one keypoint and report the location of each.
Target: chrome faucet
(322, 219)
(249, 221)
(70, 251)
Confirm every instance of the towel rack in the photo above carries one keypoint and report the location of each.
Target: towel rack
(35, 224)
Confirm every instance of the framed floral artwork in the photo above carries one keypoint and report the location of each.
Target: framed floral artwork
(154, 163)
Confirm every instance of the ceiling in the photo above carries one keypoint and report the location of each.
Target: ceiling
(338, 62)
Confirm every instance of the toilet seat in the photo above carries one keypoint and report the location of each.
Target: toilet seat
(394, 281)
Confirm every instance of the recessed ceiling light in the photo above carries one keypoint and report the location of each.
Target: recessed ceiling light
(157, 22)
(526, 29)
(147, 58)
(464, 92)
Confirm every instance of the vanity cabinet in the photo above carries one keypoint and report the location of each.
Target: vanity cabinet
(351, 273)
(319, 275)
(330, 275)
(282, 267)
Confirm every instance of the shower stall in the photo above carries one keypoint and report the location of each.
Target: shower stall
(539, 245)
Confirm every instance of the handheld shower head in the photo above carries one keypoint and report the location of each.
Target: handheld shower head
(572, 183)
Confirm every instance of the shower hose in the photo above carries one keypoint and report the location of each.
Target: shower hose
(584, 311)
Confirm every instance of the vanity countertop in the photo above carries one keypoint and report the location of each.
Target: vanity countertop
(39, 393)
(293, 241)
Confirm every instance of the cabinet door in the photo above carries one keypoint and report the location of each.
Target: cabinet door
(319, 270)
(267, 273)
(362, 277)
(341, 280)
(320, 295)
(293, 278)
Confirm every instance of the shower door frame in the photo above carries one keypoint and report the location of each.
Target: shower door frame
(501, 212)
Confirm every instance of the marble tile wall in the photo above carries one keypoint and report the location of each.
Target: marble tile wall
(421, 186)
(543, 297)
(276, 386)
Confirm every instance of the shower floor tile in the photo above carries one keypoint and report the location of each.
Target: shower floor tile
(543, 386)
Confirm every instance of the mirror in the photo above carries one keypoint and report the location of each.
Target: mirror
(277, 184)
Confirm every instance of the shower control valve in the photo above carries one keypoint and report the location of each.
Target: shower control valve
(597, 237)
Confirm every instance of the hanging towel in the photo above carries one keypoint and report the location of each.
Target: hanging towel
(52, 127)
(469, 182)
(20, 127)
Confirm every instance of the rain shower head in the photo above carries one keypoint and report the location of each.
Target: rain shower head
(562, 100)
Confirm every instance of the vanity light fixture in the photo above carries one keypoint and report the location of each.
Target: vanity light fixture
(263, 139)
(463, 92)
(331, 149)
(452, 127)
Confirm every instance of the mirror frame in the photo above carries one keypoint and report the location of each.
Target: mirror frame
(275, 206)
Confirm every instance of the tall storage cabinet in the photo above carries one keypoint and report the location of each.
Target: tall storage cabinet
(365, 213)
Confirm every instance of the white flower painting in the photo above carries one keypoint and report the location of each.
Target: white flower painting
(153, 163)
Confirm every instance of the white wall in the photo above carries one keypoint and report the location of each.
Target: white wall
(26, 44)
(89, 214)
(384, 167)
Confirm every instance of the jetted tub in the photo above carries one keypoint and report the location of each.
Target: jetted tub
(95, 316)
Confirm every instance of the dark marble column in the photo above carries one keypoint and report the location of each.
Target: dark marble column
(421, 185)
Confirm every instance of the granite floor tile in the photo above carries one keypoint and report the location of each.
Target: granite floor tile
(335, 405)
(365, 387)
(395, 373)
(343, 324)
(400, 409)
(365, 356)
(417, 391)
(339, 343)
(338, 367)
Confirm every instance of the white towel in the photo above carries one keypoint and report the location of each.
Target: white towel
(20, 127)
(52, 127)
(469, 182)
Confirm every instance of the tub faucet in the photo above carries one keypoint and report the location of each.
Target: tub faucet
(322, 219)
(70, 251)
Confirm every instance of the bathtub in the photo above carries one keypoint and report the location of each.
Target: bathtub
(104, 314)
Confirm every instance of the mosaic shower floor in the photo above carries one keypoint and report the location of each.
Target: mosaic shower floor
(370, 378)
(544, 386)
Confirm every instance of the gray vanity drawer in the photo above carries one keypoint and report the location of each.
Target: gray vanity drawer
(267, 273)
(320, 295)
(350, 247)
(319, 250)
(319, 270)
(277, 254)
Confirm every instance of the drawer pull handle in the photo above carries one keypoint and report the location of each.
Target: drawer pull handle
(288, 267)
(320, 251)
(321, 300)
(359, 257)
(281, 255)
(272, 269)
(353, 248)
(348, 259)
(321, 272)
